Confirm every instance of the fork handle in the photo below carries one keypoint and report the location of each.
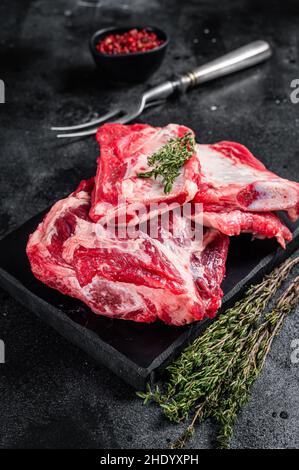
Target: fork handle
(242, 58)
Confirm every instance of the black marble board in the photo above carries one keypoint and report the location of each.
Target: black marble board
(136, 352)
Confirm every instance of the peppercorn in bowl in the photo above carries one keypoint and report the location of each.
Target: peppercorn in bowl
(128, 54)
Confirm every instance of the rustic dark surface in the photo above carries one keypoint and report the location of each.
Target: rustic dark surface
(52, 394)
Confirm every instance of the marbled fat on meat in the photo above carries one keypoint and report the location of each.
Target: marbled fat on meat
(173, 278)
(124, 150)
(233, 178)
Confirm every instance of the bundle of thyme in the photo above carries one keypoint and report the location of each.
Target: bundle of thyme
(214, 375)
(168, 161)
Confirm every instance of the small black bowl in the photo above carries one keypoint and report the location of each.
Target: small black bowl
(132, 67)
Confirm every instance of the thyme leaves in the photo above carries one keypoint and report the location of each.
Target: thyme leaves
(214, 374)
(168, 161)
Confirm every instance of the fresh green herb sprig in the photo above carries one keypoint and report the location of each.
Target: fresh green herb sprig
(168, 161)
(214, 375)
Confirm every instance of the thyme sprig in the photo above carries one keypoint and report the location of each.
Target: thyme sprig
(214, 375)
(168, 161)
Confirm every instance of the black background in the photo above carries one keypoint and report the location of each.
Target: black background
(52, 395)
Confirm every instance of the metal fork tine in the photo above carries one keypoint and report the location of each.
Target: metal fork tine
(78, 134)
(129, 117)
(101, 119)
(123, 120)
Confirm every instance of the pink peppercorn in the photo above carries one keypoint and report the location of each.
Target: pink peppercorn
(129, 42)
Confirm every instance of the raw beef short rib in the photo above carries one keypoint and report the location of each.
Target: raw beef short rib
(233, 178)
(124, 150)
(232, 223)
(174, 278)
(174, 275)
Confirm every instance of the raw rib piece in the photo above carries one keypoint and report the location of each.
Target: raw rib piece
(174, 278)
(232, 177)
(261, 225)
(124, 153)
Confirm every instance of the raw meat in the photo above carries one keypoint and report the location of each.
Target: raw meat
(234, 222)
(174, 278)
(124, 153)
(233, 178)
